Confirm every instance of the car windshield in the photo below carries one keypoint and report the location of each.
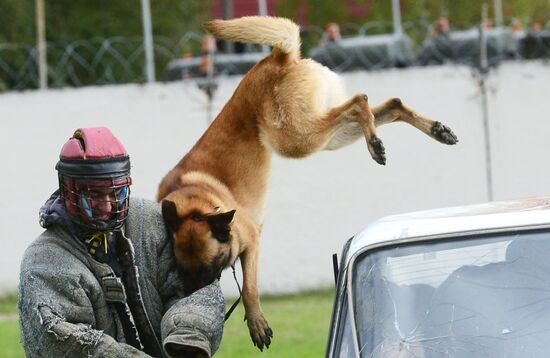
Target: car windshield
(485, 296)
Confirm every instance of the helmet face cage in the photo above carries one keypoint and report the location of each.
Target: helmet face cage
(85, 198)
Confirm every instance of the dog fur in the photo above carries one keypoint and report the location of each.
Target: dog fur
(213, 199)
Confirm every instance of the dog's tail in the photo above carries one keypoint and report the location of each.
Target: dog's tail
(280, 33)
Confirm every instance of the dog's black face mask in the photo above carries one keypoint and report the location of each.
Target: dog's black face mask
(201, 244)
(197, 279)
(203, 275)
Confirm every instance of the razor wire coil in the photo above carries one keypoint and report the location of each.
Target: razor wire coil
(113, 60)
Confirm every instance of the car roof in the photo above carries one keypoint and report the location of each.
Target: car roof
(498, 215)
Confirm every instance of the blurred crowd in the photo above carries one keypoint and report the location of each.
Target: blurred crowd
(331, 35)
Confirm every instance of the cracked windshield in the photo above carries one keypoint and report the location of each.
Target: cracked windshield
(475, 297)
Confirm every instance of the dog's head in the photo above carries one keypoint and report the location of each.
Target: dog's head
(201, 236)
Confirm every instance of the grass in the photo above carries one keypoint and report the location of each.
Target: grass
(299, 322)
(8, 304)
(9, 328)
(300, 327)
(9, 339)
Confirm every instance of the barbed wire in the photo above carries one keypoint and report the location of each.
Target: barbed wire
(368, 46)
(87, 62)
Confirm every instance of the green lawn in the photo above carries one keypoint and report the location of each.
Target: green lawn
(9, 329)
(299, 322)
(9, 339)
(8, 304)
(300, 327)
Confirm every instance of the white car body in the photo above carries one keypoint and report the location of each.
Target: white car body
(497, 223)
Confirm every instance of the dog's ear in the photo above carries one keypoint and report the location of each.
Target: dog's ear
(170, 215)
(219, 224)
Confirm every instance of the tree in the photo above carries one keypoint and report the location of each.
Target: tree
(461, 13)
(69, 20)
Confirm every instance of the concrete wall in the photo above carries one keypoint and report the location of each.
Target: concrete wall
(314, 204)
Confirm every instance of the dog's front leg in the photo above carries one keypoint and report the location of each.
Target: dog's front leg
(260, 332)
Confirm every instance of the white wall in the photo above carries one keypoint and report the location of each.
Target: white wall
(314, 204)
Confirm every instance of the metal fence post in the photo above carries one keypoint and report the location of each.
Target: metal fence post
(498, 13)
(148, 40)
(483, 72)
(396, 14)
(262, 11)
(262, 7)
(229, 46)
(41, 43)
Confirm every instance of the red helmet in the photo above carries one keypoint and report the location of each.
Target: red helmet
(94, 178)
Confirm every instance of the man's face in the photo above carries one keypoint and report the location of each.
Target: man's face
(102, 201)
(333, 32)
(100, 204)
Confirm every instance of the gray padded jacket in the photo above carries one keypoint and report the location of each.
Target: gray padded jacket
(70, 305)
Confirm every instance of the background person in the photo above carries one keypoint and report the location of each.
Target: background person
(331, 34)
(208, 49)
(442, 26)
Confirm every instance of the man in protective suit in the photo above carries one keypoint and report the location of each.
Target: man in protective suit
(101, 280)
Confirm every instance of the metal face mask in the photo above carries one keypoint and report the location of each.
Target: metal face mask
(99, 204)
(94, 178)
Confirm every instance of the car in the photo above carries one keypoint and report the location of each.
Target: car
(468, 281)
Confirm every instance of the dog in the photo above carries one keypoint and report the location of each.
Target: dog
(213, 199)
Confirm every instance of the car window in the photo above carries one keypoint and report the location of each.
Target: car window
(344, 340)
(477, 296)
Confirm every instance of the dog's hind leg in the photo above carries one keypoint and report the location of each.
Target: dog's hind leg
(348, 121)
(296, 129)
(394, 110)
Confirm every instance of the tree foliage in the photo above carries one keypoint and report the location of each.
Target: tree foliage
(69, 20)
(461, 13)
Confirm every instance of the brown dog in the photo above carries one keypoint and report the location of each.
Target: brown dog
(213, 199)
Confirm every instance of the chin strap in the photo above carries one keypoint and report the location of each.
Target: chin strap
(97, 238)
(234, 305)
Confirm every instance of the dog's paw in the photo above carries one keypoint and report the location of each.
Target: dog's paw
(377, 150)
(443, 134)
(260, 332)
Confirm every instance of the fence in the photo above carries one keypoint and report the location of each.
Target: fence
(86, 62)
(121, 59)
